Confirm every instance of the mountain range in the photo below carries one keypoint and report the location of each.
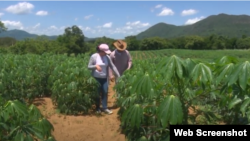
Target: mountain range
(221, 24)
(21, 35)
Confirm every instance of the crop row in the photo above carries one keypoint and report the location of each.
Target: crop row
(66, 79)
(26, 77)
(209, 55)
(159, 92)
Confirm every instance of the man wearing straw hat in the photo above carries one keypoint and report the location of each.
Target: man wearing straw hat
(121, 58)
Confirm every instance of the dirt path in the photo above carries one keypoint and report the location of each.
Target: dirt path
(83, 128)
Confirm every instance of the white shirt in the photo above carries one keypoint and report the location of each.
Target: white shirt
(103, 63)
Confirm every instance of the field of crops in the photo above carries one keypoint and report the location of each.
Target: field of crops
(155, 93)
(209, 55)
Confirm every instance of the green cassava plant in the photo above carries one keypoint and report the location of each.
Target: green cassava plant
(159, 93)
(19, 122)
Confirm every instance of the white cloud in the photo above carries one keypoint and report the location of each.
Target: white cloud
(62, 27)
(194, 20)
(145, 24)
(123, 31)
(54, 30)
(107, 25)
(188, 12)
(93, 31)
(34, 29)
(1, 14)
(51, 30)
(100, 31)
(53, 27)
(117, 31)
(136, 24)
(13, 24)
(86, 28)
(20, 8)
(79, 26)
(158, 6)
(129, 28)
(166, 11)
(87, 17)
(42, 13)
(36, 26)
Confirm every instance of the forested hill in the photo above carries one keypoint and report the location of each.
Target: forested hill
(221, 24)
(21, 35)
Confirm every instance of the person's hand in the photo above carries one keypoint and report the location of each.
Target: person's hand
(112, 78)
(98, 68)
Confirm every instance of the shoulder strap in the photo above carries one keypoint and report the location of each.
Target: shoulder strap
(108, 58)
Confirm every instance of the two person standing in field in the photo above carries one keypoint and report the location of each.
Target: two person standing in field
(106, 67)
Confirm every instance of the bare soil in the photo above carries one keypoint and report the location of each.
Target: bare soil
(83, 128)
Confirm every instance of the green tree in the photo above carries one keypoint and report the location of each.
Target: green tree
(215, 42)
(132, 42)
(153, 43)
(244, 36)
(7, 41)
(178, 43)
(2, 27)
(73, 40)
(232, 43)
(194, 42)
(106, 40)
(243, 43)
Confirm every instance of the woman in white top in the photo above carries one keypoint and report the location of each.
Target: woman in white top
(99, 63)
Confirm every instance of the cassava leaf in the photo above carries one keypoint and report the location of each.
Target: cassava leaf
(234, 102)
(170, 111)
(133, 116)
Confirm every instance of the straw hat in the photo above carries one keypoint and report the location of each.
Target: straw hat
(120, 45)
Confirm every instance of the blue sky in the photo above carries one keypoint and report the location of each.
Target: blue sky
(115, 19)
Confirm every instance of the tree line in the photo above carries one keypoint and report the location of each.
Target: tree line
(73, 41)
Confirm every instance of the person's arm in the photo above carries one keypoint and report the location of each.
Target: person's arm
(111, 75)
(91, 64)
(129, 60)
(112, 66)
